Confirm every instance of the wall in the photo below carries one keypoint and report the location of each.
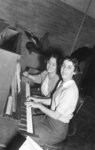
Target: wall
(54, 16)
(40, 16)
(83, 5)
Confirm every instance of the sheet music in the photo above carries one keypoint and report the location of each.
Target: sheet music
(30, 144)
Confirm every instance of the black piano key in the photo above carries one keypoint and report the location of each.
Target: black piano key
(23, 122)
(23, 112)
(23, 116)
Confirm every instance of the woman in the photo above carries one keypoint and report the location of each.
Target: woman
(48, 78)
(53, 128)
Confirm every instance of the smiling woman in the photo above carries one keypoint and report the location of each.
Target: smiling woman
(48, 78)
(68, 69)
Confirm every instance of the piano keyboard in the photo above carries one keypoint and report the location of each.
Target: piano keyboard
(26, 123)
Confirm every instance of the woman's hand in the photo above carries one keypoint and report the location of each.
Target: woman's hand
(45, 101)
(25, 74)
(31, 98)
(32, 104)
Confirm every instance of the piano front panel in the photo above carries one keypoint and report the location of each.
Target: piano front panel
(8, 63)
(12, 109)
(14, 98)
(8, 69)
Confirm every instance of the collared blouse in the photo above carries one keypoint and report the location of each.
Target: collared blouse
(65, 100)
(47, 84)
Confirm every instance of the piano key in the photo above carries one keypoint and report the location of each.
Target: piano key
(23, 119)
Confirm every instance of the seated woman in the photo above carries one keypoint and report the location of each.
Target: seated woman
(53, 127)
(48, 78)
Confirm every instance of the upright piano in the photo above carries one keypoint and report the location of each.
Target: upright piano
(9, 94)
(15, 118)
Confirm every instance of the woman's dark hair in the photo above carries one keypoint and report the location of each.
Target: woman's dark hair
(57, 61)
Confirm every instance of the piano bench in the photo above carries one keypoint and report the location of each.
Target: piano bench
(58, 146)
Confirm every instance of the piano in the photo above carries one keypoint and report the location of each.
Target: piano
(15, 117)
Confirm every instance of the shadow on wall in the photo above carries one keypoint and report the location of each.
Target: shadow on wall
(86, 79)
(10, 40)
(36, 55)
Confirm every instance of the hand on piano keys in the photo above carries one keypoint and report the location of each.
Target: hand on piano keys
(32, 104)
(33, 98)
(25, 74)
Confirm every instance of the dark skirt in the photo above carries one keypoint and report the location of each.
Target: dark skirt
(48, 130)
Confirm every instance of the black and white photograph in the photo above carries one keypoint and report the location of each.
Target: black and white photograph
(47, 74)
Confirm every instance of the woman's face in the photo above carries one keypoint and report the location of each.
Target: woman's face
(67, 70)
(52, 65)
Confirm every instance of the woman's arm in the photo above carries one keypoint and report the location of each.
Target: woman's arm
(26, 74)
(53, 114)
(35, 78)
(45, 101)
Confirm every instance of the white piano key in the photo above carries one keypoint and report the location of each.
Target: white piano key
(21, 124)
(23, 119)
(23, 129)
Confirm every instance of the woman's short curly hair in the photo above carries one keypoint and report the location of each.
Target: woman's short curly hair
(74, 61)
